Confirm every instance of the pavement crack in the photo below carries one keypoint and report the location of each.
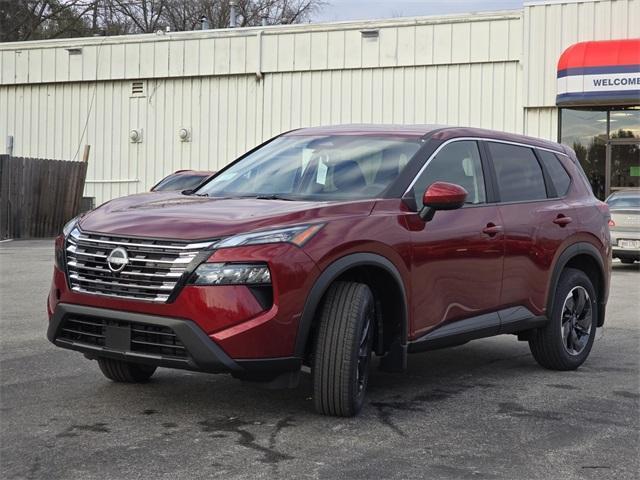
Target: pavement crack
(73, 430)
(245, 438)
(386, 409)
(280, 425)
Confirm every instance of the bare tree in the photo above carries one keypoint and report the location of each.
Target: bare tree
(35, 19)
(146, 15)
(39, 19)
(181, 15)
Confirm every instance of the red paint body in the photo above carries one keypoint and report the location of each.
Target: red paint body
(464, 262)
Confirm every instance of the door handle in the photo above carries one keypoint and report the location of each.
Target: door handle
(492, 229)
(562, 220)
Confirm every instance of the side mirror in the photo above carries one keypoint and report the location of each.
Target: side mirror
(441, 196)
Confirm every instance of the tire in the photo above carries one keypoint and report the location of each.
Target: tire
(125, 372)
(565, 341)
(343, 349)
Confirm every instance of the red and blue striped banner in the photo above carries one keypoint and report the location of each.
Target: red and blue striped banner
(600, 73)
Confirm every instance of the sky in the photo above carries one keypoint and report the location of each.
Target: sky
(337, 10)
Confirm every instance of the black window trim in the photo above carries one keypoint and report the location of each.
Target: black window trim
(569, 187)
(549, 187)
(487, 162)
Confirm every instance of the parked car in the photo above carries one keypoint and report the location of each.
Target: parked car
(182, 180)
(625, 224)
(326, 244)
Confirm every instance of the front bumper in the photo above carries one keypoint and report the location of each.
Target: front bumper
(111, 334)
(231, 316)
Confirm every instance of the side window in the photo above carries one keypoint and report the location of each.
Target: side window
(518, 173)
(459, 163)
(558, 174)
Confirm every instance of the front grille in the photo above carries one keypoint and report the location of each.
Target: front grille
(143, 338)
(152, 272)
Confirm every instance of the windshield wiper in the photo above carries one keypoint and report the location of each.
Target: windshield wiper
(274, 196)
(192, 192)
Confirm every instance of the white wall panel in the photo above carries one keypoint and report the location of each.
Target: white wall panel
(229, 114)
(542, 123)
(480, 37)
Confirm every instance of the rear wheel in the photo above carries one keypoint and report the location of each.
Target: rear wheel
(565, 342)
(125, 372)
(343, 349)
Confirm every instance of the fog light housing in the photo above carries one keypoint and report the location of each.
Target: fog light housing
(231, 274)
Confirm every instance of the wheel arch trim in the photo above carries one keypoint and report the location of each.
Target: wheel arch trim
(572, 251)
(329, 275)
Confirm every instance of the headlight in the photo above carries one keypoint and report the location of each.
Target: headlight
(297, 235)
(66, 230)
(231, 274)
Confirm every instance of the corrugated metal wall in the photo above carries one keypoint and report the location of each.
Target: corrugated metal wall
(464, 70)
(475, 38)
(456, 70)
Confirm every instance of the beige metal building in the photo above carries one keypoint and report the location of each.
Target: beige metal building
(129, 97)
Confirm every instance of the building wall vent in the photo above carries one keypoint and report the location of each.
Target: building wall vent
(137, 89)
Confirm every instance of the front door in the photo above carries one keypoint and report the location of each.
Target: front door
(457, 256)
(622, 164)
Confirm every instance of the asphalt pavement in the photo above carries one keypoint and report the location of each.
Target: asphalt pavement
(481, 410)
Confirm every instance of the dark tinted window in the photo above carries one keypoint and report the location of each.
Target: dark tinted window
(556, 171)
(459, 163)
(518, 172)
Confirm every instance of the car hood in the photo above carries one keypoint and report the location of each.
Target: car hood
(172, 215)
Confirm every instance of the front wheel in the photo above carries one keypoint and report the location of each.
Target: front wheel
(343, 349)
(125, 372)
(565, 342)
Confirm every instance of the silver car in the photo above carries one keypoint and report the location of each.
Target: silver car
(625, 224)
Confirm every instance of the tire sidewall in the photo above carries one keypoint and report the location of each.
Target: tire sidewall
(364, 307)
(569, 280)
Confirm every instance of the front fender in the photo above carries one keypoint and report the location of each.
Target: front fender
(329, 275)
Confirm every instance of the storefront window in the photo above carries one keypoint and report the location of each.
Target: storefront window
(607, 143)
(625, 123)
(586, 132)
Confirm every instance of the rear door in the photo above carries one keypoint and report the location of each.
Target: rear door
(536, 221)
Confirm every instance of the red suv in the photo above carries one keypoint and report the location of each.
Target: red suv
(326, 244)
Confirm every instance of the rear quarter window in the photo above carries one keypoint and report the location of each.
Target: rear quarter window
(518, 173)
(559, 176)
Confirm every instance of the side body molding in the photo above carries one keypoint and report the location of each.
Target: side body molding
(508, 320)
(331, 273)
(580, 248)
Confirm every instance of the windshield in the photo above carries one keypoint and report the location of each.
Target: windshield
(334, 167)
(624, 201)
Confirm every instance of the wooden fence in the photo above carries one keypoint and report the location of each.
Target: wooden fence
(37, 196)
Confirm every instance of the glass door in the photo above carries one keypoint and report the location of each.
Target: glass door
(622, 164)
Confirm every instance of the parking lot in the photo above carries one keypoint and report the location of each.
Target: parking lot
(481, 410)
